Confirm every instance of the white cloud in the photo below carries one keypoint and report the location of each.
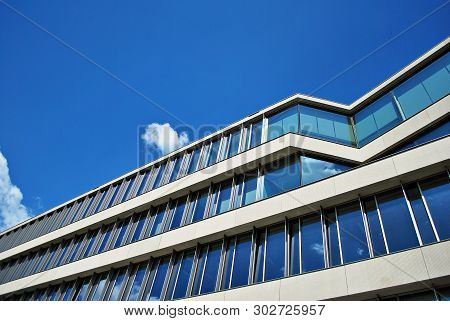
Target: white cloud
(12, 211)
(164, 137)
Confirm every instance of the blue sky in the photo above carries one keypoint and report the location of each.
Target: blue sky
(66, 126)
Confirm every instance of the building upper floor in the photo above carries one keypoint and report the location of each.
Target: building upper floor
(349, 130)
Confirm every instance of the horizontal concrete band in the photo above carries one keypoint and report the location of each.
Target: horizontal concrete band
(411, 165)
(410, 270)
(426, 58)
(274, 149)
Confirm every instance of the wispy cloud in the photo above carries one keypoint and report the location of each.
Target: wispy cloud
(12, 211)
(164, 138)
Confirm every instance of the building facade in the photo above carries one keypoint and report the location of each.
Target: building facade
(307, 199)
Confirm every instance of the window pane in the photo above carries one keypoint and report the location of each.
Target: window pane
(226, 276)
(100, 287)
(119, 281)
(67, 292)
(81, 295)
(195, 155)
(234, 143)
(260, 256)
(412, 96)
(398, 226)
(178, 214)
(100, 201)
(376, 233)
(314, 169)
(275, 253)
(173, 276)
(127, 192)
(312, 244)
(352, 232)
(90, 243)
(211, 269)
(238, 189)
(200, 269)
(283, 122)
(137, 283)
(420, 214)
(214, 152)
(183, 275)
(105, 239)
(326, 125)
(281, 176)
(200, 206)
(176, 169)
(250, 185)
(139, 227)
(158, 220)
(294, 247)
(143, 184)
(241, 265)
(436, 78)
(437, 193)
(223, 203)
(122, 231)
(256, 135)
(333, 239)
(161, 273)
(376, 119)
(116, 189)
(159, 176)
(75, 248)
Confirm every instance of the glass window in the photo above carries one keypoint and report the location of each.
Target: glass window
(275, 253)
(283, 122)
(127, 194)
(213, 152)
(376, 119)
(123, 228)
(238, 189)
(314, 169)
(195, 156)
(89, 203)
(116, 189)
(159, 176)
(352, 233)
(177, 213)
(200, 206)
(158, 220)
(99, 287)
(143, 184)
(118, 284)
(398, 226)
(326, 125)
(437, 193)
(228, 266)
(75, 248)
(80, 295)
(224, 199)
(256, 134)
(333, 237)
(89, 244)
(311, 244)
(137, 282)
(375, 229)
(260, 256)
(436, 78)
(51, 255)
(294, 245)
(281, 176)
(183, 275)
(105, 238)
(62, 254)
(67, 292)
(420, 214)
(211, 269)
(241, 265)
(101, 198)
(176, 169)
(250, 187)
(173, 276)
(139, 227)
(159, 278)
(234, 143)
(53, 291)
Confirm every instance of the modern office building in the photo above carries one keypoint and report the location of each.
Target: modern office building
(307, 199)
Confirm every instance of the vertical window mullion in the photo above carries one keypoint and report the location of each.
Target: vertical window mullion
(411, 214)
(381, 224)
(366, 227)
(428, 212)
(265, 255)
(339, 235)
